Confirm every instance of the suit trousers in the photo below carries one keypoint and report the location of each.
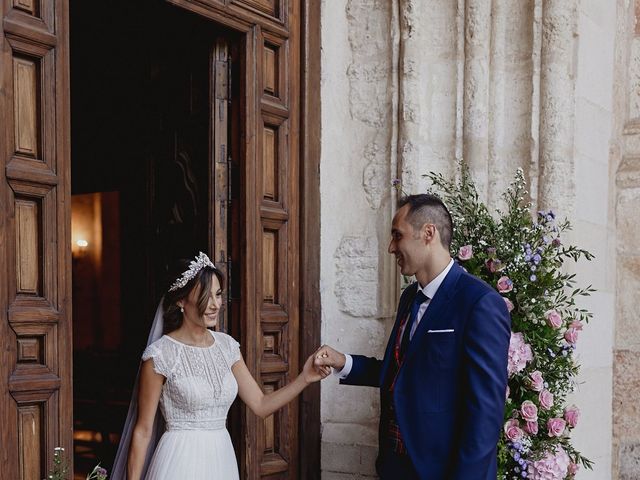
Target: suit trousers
(392, 466)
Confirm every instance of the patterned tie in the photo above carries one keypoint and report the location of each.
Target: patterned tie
(419, 299)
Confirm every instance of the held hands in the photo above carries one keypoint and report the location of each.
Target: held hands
(326, 356)
(312, 373)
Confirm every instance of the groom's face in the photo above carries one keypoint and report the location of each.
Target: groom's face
(407, 244)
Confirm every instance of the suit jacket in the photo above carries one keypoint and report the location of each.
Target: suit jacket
(449, 394)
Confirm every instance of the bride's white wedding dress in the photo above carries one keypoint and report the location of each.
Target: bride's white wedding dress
(195, 400)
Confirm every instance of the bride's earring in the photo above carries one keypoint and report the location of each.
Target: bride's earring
(181, 309)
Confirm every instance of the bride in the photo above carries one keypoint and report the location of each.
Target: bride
(193, 374)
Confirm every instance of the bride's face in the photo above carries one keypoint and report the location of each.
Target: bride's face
(210, 317)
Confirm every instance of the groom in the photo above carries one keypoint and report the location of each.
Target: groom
(444, 373)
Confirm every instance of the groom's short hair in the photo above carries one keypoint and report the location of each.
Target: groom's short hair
(428, 208)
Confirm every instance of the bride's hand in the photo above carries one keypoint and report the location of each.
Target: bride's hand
(311, 373)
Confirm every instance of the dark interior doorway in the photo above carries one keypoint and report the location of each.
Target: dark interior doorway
(141, 188)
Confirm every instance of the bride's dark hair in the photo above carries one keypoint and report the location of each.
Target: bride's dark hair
(172, 315)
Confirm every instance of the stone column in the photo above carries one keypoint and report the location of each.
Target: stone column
(556, 186)
(625, 161)
(477, 83)
(428, 85)
(511, 105)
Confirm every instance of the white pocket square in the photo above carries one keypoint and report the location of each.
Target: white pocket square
(446, 330)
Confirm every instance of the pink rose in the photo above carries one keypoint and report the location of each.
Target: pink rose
(494, 265)
(508, 303)
(531, 428)
(554, 320)
(465, 252)
(512, 430)
(573, 468)
(519, 353)
(536, 382)
(577, 324)
(529, 411)
(571, 335)
(504, 284)
(572, 415)
(556, 426)
(546, 399)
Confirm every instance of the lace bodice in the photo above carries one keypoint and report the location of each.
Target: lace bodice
(200, 386)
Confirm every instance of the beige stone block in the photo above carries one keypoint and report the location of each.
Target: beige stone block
(595, 345)
(629, 461)
(593, 238)
(361, 336)
(348, 403)
(592, 436)
(340, 458)
(628, 300)
(592, 191)
(350, 433)
(595, 62)
(593, 133)
(356, 287)
(601, 12)
(627, 207)
(626, 408)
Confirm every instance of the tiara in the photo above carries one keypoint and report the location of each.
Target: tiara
(195, 266)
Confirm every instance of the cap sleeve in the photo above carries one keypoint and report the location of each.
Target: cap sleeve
(232, 349)
(159, 361)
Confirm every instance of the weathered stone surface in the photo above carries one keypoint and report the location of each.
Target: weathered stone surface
(629, 461)
(627, 221)
(626, 385)
(370, 72)
(557, 87)
(356, 287)
(376, 174)
(628, 319)
(634, 80)
(350, 433)
(341, 458)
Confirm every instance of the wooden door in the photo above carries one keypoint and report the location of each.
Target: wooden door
(35, 332)
(263, 252)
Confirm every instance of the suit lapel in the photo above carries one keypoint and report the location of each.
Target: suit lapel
(403, 310)
(437, 305)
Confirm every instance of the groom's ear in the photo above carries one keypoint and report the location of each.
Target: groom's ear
(429, 232)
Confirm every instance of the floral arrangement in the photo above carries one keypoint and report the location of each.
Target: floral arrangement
(522, 255)
(60, 469)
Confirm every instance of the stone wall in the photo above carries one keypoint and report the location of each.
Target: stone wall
(410, 86)
(625, 171)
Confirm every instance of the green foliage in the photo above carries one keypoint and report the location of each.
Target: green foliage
(60, 470)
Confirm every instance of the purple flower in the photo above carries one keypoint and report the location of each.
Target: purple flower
(537, 258)
(533, 278)
(395, 182)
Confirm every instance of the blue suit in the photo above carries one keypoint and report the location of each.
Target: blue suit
(449, 393)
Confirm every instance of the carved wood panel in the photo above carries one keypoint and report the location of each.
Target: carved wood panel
(35, 334)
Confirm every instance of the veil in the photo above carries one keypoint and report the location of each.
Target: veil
(119, 470)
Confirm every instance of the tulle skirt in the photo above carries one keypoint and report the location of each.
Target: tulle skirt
(194, 455)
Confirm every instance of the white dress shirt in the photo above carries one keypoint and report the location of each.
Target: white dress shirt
(429, 291)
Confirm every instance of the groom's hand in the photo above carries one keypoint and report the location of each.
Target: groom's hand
(327, 356)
